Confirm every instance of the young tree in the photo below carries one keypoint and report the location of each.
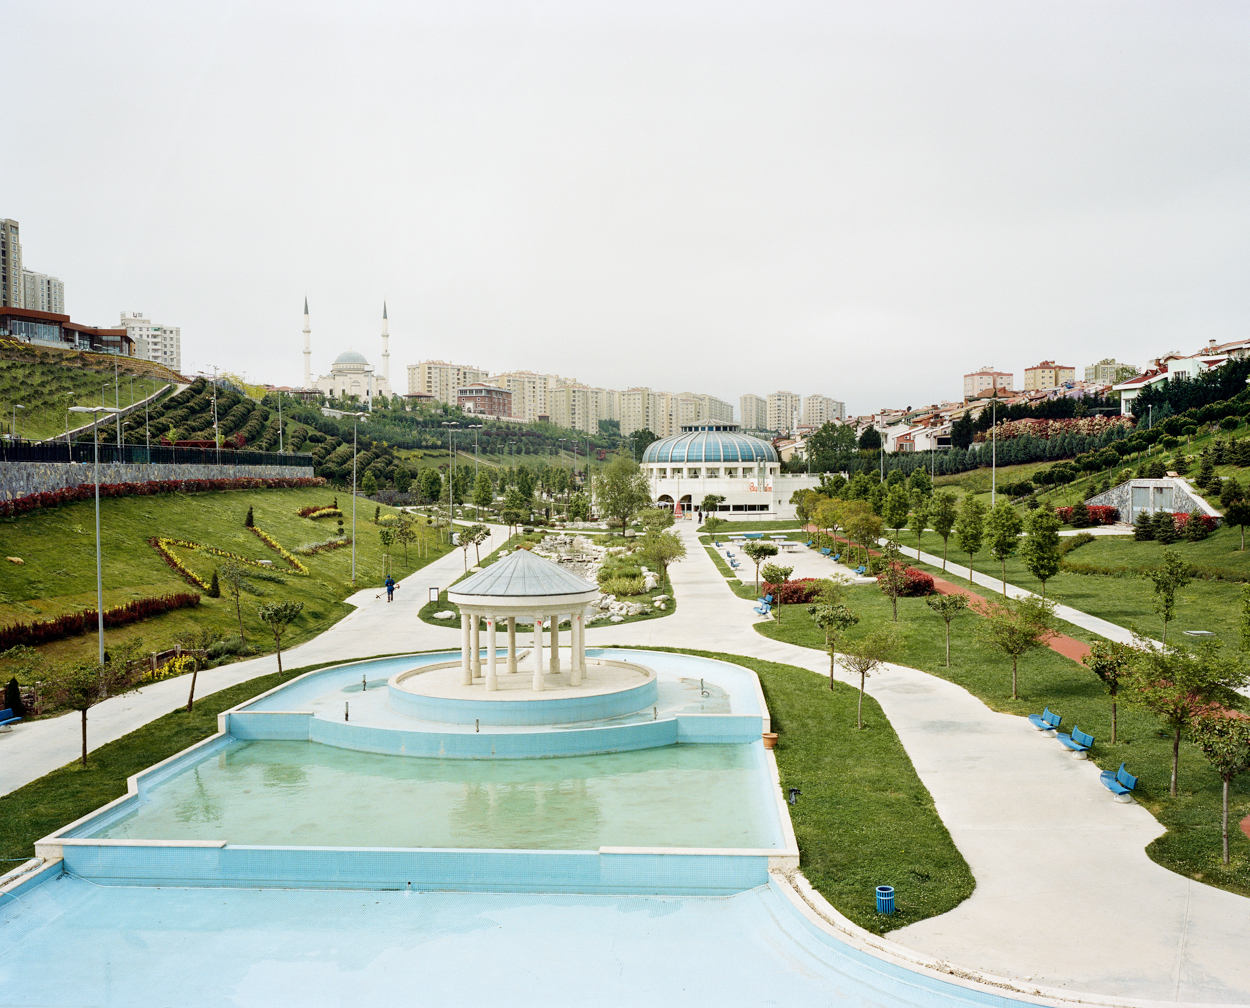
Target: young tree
(579, 507)
(473, 536)
(1169, 578)
(1003, 527)
(1110, 661)
(661, 548)
(483, 491)
(655, 518)
(970, 529)
(1040, 549)
(1245, 617)
(920, 513)
(1237, 514)
(405, 533)
(862, 524)
(893, 578)
(369, 485)
(510, 518)
(942, 517)
(278, 616)
(403, 479)
(866, 655)
(1016, 627)
(214, 586)
(834, 618)
(1224, 738)
(1177, 685)
(758, 550)
(235, 577)
(711, 504)
(775, 574)
(897, 508)
(249, 520)
(948, 607)
(621, 490)
(82, 685)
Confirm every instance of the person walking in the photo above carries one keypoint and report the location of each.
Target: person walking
(390, 588)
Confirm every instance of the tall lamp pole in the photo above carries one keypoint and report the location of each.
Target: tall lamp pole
(13, 428)
(451, 474)
(993, 451)
(355, 420)
(99, 575)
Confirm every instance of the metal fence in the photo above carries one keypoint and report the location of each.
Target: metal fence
(59, 451)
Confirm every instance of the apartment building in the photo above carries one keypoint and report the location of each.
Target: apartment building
(818, 410)
(1108, 372)
(12, 293)
(580, 407)
(1047, 375)
(986, 380)
(41, 292)
(442, 379)
(162, 344)
(645, 408)
(785, 410)
(485, 400)
(531, 392)
(754, 412)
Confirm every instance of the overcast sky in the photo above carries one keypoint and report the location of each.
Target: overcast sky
(863, 200)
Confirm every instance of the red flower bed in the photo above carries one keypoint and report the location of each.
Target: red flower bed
(1099, 514)
(86, 491)
(916, 583)
(798, 592)
(1182, 519)
(79, 623)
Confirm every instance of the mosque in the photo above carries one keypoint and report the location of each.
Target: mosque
(350, 374)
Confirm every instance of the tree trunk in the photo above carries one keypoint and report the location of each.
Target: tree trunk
(894, 602)
(944, 545)
(238, 608)
(191, 695)
(1176, 758)
(277, 639)
(970, 556)
(833, 663)
(1165, 643)
(859, 711)
(1014, 662)
(1004, 567)
(84, 736)
(1043, 580)
(1113, 717)
(1224, 821)
(948, 643)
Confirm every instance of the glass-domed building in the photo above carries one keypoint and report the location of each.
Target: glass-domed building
(714, 458)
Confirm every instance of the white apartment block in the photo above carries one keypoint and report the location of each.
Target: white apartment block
(709, 408)
(41, 292)
(12, 293)
(580, 407)
(1109, 372)
(441, 379)
(986, 378)
(784, 411)
(162, 344)
(530, 392)
(818, 410)
(754, 411)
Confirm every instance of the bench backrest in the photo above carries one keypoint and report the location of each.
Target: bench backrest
(5, 714)
(1081, 738)
(1126, 778)
(1051, 718)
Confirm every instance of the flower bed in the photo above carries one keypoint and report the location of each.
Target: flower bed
(1099, 514)
(324, 547)
(86, 491)
(164, 546)
(797, 592)
(915, 584)
(273, 544)
(320, 511)
(79, 623)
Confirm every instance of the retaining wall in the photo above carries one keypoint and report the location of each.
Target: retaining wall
(21, 479)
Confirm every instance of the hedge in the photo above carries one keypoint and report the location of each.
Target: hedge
(84, 622)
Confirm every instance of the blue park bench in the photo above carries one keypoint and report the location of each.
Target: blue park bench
(1121, 783)
(1078, 742)
(763, 608)
(810, 542)
(6, 719)
(826, 551)
(1045, 721)
(861, 570)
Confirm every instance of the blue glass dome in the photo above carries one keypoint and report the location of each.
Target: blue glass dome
(709, 443)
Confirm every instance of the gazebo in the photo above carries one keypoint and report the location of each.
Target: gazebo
(530, 588)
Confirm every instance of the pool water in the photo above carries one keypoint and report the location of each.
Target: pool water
(296, 793)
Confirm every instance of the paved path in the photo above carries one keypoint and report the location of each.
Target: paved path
(1065, 893)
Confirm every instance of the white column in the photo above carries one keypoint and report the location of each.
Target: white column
(511, 643)
(538, 652)
(475, 646)
(577, 648)
(555, 642)
(465, 667)
(492, 678)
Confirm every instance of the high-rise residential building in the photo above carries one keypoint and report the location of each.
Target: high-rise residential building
(784, 411)
(529, 392)
(580, 407)
(41, 292)
(442, 379)
(754, 411)
(12, 292)
(818, 410)
(1047, 375)
(986, 379)
(643, 408)
(162, 344)
(1108, 372)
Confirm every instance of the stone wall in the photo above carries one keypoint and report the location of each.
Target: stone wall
(20, 479)
(1168, 494)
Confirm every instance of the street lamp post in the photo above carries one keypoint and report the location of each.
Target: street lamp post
(355, 420)
(280, 442)
(99, 575)
(451, 473)
(217, 442)
(13, 428)
(993, 451)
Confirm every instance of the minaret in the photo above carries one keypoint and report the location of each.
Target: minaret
(386, 353)
(307, 348)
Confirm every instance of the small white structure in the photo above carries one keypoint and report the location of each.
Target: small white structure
(530, 588)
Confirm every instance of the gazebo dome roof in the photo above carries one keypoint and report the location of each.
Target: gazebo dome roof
(521, 574)
(709, 443)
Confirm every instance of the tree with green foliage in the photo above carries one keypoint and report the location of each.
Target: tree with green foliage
(214, 586)
(1040, 549)
(776, 574)
(1144, 527)
(711, 503)
(579, 507)
(1244, 623)
(834, 619)
(278, 616)
(758, 551)
(1169, 577)
(235, 577)
(1224, 738)
(1003, 526)
(1237, 515)
(862, 524)
(403, 479)
(473, 536)
(867, 654)
(430, 484)
(81, 685)
(942, 516)
(483, 491)
(1015, 627)
(893, 577)
(510, 518)
(655, 518)
(920, 509)
(919, 484)
(1165, 528)
(897, 508)
(660, 547)
(249, 521)
(1195, 527)
(621, 490)
(948, 607)
(1178, 685)
(870, 440)
(1110, 661)
(405, 532)
(970, 528)
(368, 485)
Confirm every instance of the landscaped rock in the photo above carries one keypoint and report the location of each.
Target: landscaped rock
(661, 598)
(445, 614)
(661, 605)
(617, 619)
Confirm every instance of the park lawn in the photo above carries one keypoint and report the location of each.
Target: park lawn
(36, 809)
(1126, 600)
(864, 818)
(1191, 846)
(743, 589)
(57, 575)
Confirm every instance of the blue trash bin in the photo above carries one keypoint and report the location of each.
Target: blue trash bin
(885, 899)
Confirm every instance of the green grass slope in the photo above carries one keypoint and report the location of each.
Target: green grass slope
(48, 389)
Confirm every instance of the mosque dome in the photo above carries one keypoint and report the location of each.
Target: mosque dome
(351, 357)
(709, 443)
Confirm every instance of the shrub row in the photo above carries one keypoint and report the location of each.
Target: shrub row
(797, 592)
(86, 491)
(274, 545)
(916, 583)
(317, 509)
(1099, 514)
(79, 623)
